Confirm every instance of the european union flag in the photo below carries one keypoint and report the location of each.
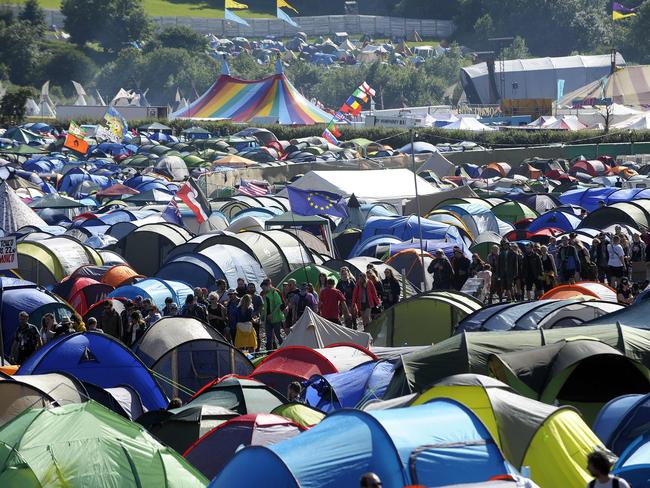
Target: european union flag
(316, 202)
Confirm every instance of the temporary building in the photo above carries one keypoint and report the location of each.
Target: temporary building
(14, 213)
(297, 363)
(348, 389)
(300, 413)
(81, 293)
(205, 267)
(539, 314)
(19, 393)
(437, 444)
(185, 353)
(156, 290)
(241, 395)
(80, 440)
(213, 451)
(593, 289)
(312, 330)
(179, 428)
(423, 319)
(146, 247)
(634, 463)
(622, 420)
(18, 296)
(48, 261)
(469, 352)
(242, 101)
(529, 433)
(583, 373)
(535, 78)
(99, 359)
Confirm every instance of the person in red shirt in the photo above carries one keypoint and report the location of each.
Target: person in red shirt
(364, 298)
(331, 302)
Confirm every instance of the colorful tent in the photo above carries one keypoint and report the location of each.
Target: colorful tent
(242, 100)
(621, 420)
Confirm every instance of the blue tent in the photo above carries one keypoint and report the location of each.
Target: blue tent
(477, 218)
(98, 359)
(43, 164)
(369, 247)
(73, 182)
(587, 198)
(436, 444)
(20, 295)
(405, 228)
(220, 261)
(634, 464)
(418, 147)
(155, 289)
(621, 420)
(634, 315)
(554, 220)
(350, 388)
(146, 183)
(627, 195)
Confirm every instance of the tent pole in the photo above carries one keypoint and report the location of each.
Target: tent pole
(417, 199)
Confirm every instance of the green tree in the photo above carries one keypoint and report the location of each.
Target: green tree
(516, 50)
(64, 63)
(12, 106)
(112, 23)
(19, 50)
(636, 46)
(180, 37)
(33, 14)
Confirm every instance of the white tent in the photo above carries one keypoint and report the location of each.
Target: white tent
(567, 122)
(15, 214)
(468, 123)
(439, 164)
(639, 122)
(543, 121)
(378, 185)
(312, 330)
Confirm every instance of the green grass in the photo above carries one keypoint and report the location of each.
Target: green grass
(165, 8)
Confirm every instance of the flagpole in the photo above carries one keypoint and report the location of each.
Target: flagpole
(417, 200)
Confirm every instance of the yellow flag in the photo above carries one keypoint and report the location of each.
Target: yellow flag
(232, 5)
(284, 3)
(617, 15)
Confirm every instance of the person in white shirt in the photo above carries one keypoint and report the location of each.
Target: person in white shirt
(616, 262)
(599, 465)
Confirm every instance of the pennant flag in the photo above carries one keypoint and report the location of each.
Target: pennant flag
(228, 15)
(252, 189)
(282, 15)
(75, 143)
(172, 213)
(365, 87)
(620, 12)
(316, 202)
(330, 137)
(346, 109)
(334, 130)
(116, 123)
(232, 5)
(350, 101)
(560, 89)
(356, 108)
(193, 197)
(361, 95)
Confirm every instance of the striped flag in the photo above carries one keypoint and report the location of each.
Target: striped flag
(193, 197)
(250, 189)
(329, 137)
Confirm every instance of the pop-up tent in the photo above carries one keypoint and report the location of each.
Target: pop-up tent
(634, 463)
(437, 444)
(156, 289)
(90, 446)
(622, 420)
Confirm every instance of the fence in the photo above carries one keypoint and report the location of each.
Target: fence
(312, 26)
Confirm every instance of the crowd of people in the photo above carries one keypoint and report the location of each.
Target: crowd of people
(515, 272)
(243, 315)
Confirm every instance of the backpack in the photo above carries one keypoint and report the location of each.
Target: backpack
(302, 305)
(615, 483)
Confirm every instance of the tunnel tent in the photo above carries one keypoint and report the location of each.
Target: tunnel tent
(409, 263)
(120, 275)
(146, 247)
(241, 395)
(189, 353)
(233, 207)
(19, 393)
(99, 359)
(622, 420)
(155, 289)
(111, 258)
(30, 441)
(477, 218)
(82, 292)
(633, 464)
(469, 352)
(429, 444)
(314, 243)
(423, 319)
(294, 249)
(583, 373)
(48, 261)
(312, 330)
(529, 433)
(623, 213)
(572, 314)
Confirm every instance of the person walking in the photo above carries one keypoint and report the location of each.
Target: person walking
(364, 298)
(549, 269)
(332, 302)
(599, 466)
(246, 337)
(392, 289)
(532, 273)
(26, 340)
(616, 262)
(495, 284)
(273, 314)
(441, 270)
(569, 261)
(507, 269)
(111, 321)
(346, 286)
(461, 265)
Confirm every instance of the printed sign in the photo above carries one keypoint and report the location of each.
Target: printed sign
(8, 253)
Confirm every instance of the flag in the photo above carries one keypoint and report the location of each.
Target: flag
(334, 130)
(284, 4)
(350, 101)
(345, 108)
(361, 95)
(193, 197)
(330, 137)
(116, 123)
(75, 130)
(103, 134)
(316, 202)
(280, 14)
(228, 15)
(172, 213)
(252, 189)
(355, 108)
(75, 143)
(560, 89)
(232, 5)
(620, 12)
(365, 87)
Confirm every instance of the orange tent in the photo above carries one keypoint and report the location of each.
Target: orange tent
(581, 289)
(119, 275)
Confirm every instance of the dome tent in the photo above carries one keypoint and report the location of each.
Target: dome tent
(241, 395)
(155, 289)
(99, 435)
(621, 420)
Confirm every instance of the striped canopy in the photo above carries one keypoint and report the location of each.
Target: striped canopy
(242, 100)
(628, 86)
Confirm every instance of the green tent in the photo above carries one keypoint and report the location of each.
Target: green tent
(87, 445)
(469, 352)
(423, 319)
(484, 242)
(300, 413)
(309, 274)
(512, 212)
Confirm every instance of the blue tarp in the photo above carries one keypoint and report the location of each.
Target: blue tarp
(447, 441)
(156, 289)
(554, 220)
(98, 359)
(621, 420)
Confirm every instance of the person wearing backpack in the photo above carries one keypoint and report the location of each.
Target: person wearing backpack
(305, 300)
(569, 261)
(599, 466)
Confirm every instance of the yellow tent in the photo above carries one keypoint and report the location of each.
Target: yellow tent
(234, 161)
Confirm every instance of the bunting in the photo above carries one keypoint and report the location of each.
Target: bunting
(352, 107)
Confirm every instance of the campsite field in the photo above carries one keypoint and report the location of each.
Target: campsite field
(162, 8)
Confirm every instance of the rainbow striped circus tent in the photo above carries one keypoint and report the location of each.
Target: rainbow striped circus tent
(242, 100)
